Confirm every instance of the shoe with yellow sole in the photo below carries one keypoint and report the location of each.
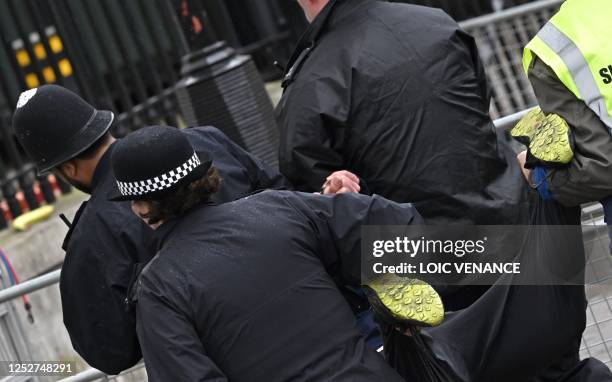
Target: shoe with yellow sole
(406, 301)
(552, 144)
(525, 129)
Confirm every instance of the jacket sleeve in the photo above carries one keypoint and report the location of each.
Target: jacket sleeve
(312, 117)
(338, 220)
(261, 175)
(588, 177)
(94, 282)
(171, 347)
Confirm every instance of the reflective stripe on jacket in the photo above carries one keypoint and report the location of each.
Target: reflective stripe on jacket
(579, 53)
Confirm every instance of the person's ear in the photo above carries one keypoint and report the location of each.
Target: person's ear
(69, 169)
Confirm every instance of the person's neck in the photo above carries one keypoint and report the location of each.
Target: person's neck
(91, 165)
(317, 11)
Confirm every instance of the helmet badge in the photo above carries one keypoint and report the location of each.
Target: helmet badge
(25, 97)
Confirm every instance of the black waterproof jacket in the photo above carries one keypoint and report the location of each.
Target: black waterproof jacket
(247, 291)
(396, 93)
(107, 240)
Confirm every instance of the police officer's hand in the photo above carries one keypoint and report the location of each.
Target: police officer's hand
(340, 182)
(522, 158)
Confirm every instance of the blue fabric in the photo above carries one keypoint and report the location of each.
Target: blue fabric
(540, 176)
(607, 205)
(369, 329)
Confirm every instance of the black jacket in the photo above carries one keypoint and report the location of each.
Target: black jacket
(107, 240)
(247, 291)
(396, 93)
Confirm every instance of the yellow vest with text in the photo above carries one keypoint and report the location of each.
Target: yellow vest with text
(577, 44)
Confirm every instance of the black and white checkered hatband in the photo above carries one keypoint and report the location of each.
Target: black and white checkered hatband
(161, 182)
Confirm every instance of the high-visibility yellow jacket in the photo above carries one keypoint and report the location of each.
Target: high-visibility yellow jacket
(574, 44)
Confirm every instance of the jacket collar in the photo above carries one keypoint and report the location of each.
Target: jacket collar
(153, 247)
(103, 169)
(160, 236)
(164, 231)
(333, 12)
(307, 42)
(102, 172)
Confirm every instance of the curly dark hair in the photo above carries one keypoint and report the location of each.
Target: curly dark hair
(185, 197)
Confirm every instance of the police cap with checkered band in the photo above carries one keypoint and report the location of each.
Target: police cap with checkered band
(55, 125)
(154, 161)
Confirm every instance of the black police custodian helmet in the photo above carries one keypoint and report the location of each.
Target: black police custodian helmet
(55, 125)
(155, 161)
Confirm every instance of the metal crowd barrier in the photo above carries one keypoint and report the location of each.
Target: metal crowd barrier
(501, 37)
(93, 375)
(597, 337)
(507, 122)
(463, 10)
(29, 286)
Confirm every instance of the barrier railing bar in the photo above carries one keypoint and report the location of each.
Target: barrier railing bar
(510, 120)
(93, 374)
(508, 14)
(85, 376)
